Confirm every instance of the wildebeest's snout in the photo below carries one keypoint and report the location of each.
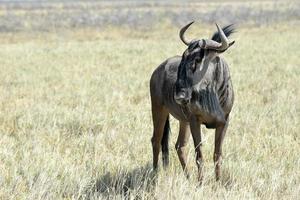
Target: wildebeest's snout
(182, 97)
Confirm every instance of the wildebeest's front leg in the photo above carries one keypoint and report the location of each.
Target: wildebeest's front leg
(196, 133)
(219, 136)
(181, 144)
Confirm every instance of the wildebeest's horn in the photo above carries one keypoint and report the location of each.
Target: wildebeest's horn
(224, 39)
(182, 31)
(209, 44)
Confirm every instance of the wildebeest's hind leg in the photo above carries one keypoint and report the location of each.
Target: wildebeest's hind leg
(219, 136)
(159, 117)
(181, 144)
(196, 133)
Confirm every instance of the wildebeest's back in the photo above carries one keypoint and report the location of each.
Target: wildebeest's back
(162, 78)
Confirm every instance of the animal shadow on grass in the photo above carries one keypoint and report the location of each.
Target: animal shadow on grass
(125, 184)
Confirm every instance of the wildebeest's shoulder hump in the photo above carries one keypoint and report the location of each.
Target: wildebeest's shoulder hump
(173, 63)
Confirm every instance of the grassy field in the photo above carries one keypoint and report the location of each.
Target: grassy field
(75, 118)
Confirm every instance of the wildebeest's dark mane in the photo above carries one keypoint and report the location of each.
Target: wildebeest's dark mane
(228, 30)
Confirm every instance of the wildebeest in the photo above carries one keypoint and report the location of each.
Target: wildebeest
(196, 89)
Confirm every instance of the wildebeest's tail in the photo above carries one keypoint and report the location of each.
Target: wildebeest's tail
(165, 143)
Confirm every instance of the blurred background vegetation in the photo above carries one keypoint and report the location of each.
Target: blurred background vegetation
(52, 15)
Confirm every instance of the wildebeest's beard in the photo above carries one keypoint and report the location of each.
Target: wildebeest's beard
(206, 102)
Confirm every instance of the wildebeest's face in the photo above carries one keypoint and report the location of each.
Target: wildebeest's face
(195, 61)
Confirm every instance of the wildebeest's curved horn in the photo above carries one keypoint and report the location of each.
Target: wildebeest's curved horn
(209, 44)
(224, 39)
(182, 31)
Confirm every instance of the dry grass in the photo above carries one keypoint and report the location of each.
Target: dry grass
(75, 117)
